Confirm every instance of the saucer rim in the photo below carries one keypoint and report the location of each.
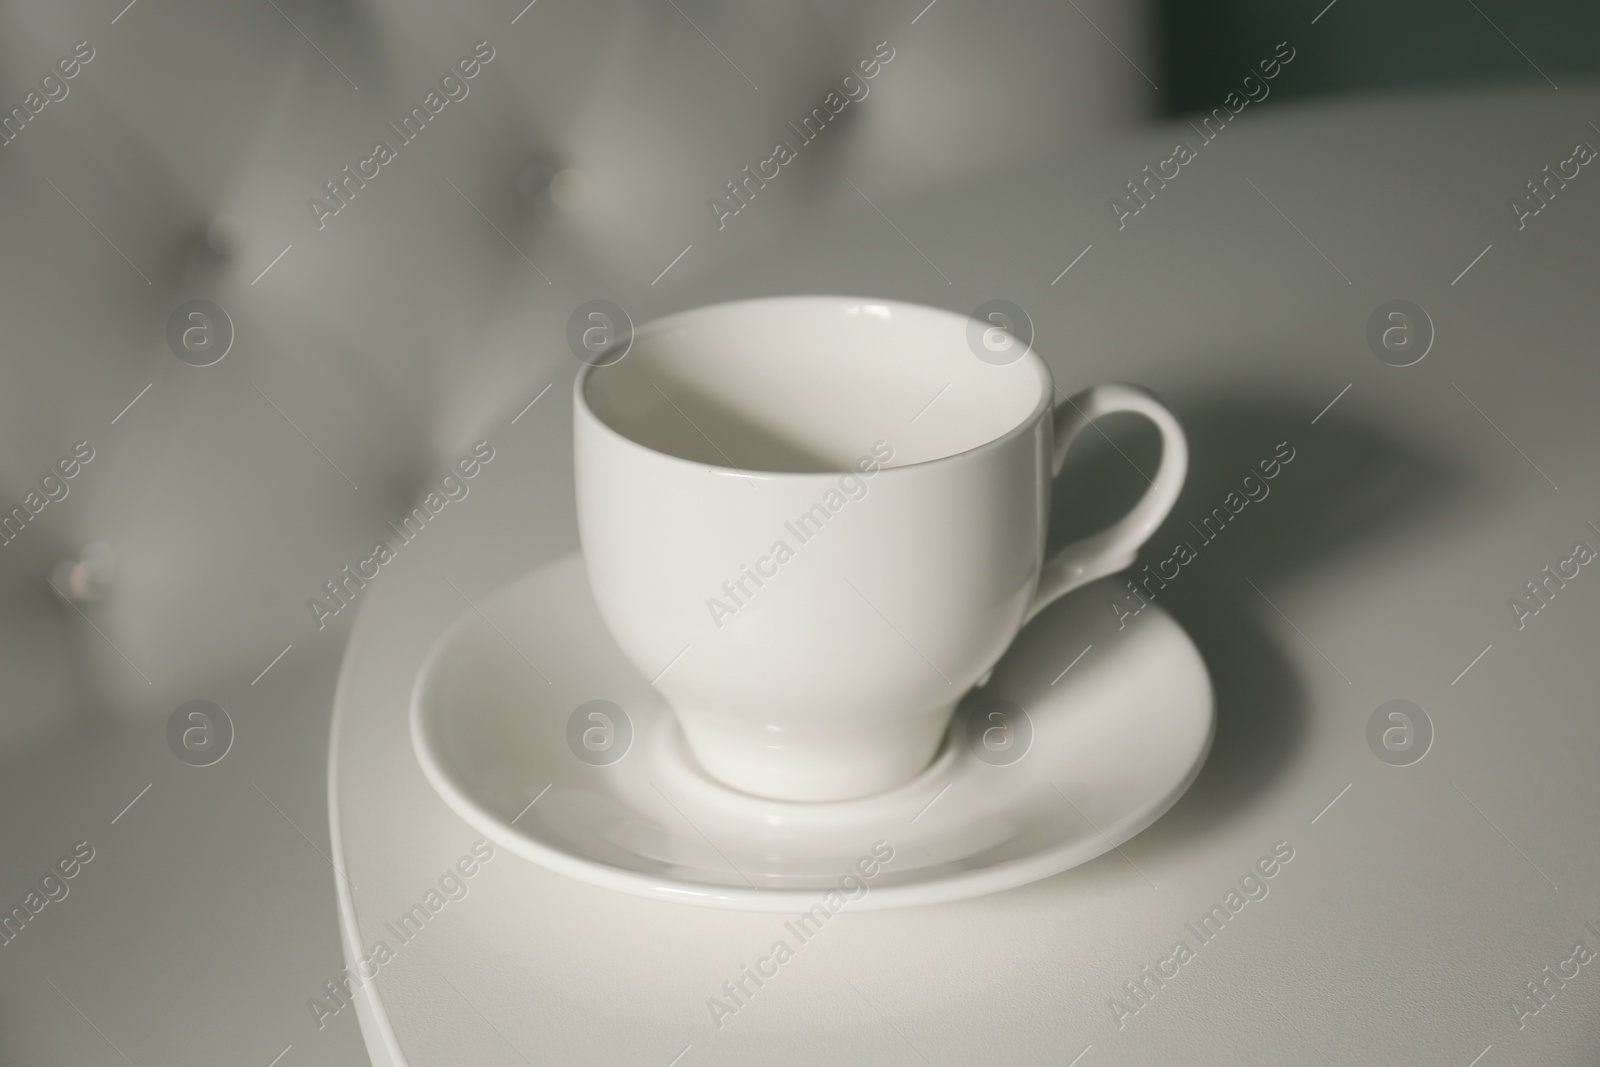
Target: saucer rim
(938, 889)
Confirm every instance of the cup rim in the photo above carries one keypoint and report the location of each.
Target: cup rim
(1043, 405)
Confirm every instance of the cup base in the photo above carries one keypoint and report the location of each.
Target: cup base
(823, 773)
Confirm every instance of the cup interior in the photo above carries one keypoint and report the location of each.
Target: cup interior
(812, 384)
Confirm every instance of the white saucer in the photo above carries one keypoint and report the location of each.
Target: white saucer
(1116, 739)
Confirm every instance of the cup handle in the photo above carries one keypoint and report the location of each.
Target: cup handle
(1115, 547)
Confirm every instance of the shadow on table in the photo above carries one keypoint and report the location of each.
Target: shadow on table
(1348, 487)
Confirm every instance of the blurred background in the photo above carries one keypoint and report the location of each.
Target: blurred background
(180, 166)
(364, 349)
(1431, 46)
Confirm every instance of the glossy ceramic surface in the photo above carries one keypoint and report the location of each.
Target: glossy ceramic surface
(815, 522)
(1085, 735)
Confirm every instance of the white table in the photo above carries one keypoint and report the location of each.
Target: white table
(1420, 899)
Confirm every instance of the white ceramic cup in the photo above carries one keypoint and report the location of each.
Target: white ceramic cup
(814, 523)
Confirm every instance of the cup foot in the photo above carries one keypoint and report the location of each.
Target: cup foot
(822, 774)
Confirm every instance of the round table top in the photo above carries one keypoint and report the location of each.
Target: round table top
(1435, 886)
